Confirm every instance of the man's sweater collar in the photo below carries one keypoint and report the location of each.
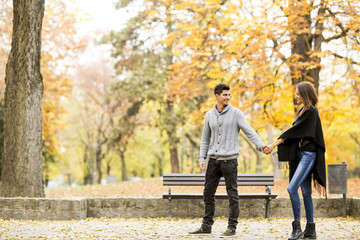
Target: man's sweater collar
(223, 112)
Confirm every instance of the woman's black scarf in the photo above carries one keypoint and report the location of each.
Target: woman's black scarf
(307, 125)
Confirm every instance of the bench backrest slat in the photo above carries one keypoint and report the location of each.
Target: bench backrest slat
(181, 179)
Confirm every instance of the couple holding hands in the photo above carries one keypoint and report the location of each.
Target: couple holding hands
(301, 148)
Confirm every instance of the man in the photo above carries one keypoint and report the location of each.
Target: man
(220, 142)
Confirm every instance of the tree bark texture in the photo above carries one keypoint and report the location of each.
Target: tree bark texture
(304, 66)
(123, 166)
(300, 47)
(22, 174)
(98, 158)
(173, 139)
(87, 168)
(171, 116)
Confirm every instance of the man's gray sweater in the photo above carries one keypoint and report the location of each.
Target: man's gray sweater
(220, 137)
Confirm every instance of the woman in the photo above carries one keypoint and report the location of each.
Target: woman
(303, 148)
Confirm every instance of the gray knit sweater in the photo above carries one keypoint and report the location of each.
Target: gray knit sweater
(220, 137)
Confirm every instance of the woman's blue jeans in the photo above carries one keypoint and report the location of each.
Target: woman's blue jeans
(302, 178)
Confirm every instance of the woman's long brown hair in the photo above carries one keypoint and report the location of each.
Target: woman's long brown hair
(308, 95)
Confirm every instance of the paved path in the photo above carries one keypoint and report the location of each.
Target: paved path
(161, 228)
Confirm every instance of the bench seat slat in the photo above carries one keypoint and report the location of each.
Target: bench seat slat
(181, 179)
(221, 179)
(221, 183)
(203, 174)
(219, 195)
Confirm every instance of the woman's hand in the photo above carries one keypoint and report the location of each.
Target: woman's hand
(268, 149)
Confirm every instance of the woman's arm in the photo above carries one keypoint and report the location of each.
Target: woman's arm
(271, 147)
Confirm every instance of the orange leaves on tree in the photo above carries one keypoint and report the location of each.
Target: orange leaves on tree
(59, 48)
(262, 49)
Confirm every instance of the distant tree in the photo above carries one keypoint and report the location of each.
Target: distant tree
(60, 46)
(22, 174)
(106, 117)
(93, 90)
(146, 60)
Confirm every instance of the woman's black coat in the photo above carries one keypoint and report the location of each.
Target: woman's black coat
(307, 125)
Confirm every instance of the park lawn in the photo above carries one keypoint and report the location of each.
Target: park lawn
(154, 188)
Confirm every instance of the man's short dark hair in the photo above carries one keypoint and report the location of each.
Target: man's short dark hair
(220, 87)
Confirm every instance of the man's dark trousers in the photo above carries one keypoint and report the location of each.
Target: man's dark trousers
(215, 170)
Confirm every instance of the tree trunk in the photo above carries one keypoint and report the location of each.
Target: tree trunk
(2, 109)
(257, 153)
(123, 166)
(193, 145)
(304, 67)
(192, 159)
(258, 162)
(98, 158)
(300, 46)
(22, 174)
(174, 158)
(160, 158)
(160, 166)
(108, 167)
(92, 163)
(171, 121)
(173, 139)
(277, 171)
(245, 165)
(86, 169)
(318, 39)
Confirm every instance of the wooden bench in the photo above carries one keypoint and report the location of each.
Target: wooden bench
(180, 179)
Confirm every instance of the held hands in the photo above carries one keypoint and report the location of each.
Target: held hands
(268, 149)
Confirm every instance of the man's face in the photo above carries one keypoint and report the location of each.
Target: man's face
(224, 97)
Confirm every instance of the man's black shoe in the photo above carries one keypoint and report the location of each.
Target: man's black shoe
(228, 233)
(201, 231)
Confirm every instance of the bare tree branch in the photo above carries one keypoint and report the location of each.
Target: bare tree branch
(347, 59)
(344, 31)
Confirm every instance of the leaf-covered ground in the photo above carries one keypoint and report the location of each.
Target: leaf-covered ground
(161, 228)
(154, 188)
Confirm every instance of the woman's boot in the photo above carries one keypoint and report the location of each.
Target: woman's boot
(310, 232)
(296, 232)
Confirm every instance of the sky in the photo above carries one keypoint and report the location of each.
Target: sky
(103, 16)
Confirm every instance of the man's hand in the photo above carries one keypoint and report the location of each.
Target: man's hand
(267, 150)
(202, 166)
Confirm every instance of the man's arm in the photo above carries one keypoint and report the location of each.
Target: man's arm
(250, 132)
(204, 144)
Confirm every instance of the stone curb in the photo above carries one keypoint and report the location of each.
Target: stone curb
(43, 208)
(81, 208)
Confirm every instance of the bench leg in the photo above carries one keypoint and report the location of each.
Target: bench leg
(268, 208)
(169, 203)
(169, 208)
